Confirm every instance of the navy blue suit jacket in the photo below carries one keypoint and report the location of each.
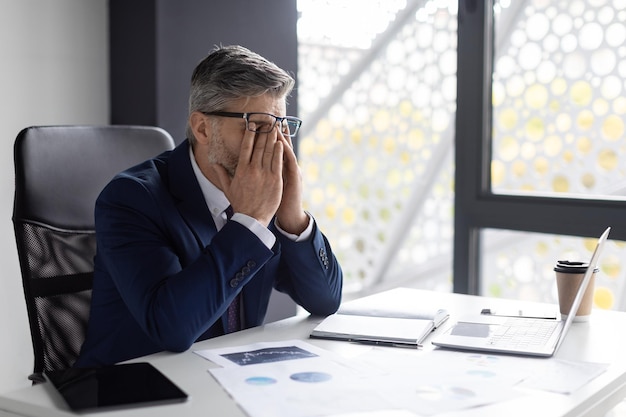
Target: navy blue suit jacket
(164, 276)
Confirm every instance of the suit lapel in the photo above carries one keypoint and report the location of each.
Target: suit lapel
(191, 205)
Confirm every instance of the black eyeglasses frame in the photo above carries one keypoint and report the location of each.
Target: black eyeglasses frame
(293, 121)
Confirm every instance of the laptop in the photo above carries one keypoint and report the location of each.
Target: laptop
(483, 332)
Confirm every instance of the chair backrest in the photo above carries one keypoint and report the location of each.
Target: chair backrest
(59, 172)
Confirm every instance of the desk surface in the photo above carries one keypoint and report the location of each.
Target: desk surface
(602, 339)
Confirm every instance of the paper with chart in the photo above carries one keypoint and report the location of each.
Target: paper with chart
(291, 378)
(296, 379)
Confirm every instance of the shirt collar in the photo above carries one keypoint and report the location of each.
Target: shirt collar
(215, 199)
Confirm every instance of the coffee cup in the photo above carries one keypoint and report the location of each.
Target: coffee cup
(569, 276)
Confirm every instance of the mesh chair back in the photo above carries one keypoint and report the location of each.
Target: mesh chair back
(59, 172)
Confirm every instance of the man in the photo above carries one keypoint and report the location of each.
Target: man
(171, 261)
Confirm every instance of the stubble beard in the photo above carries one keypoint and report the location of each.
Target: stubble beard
(220, 155)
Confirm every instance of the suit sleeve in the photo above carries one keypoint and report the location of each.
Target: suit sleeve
(310, 273)
(173, 286)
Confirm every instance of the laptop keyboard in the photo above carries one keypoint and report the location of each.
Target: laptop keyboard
(519, 333)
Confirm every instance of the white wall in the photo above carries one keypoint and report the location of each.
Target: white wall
(53, 70)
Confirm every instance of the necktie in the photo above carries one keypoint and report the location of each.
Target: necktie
(229, 212)
(234, 319)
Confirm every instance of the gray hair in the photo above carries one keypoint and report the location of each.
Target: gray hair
(232, 72)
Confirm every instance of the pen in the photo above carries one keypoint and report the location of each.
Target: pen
(386, 343)
(519, 313)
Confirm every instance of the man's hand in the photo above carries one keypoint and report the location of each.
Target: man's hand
(257, 186)
(267, 181)
(291, 217)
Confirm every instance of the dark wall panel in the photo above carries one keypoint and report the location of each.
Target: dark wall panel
(132, 61)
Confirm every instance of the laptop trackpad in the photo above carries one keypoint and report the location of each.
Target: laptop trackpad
(471, 330)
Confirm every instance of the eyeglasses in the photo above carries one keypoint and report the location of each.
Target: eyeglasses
(264, 122)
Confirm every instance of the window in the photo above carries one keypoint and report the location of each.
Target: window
(505, 173)
(559, 108)
(378, 104)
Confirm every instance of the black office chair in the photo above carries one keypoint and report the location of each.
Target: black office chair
(59, 172)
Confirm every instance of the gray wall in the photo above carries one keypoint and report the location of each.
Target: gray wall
(55, 70)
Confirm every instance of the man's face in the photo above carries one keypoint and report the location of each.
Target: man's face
(227, 133)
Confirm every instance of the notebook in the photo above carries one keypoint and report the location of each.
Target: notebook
(115, 386)
(484, 332)
(398, 317)
(389, 331)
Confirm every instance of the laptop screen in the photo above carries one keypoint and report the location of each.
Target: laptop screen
(584, 283)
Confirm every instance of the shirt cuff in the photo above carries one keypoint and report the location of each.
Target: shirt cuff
(262, 232)
(302, 236)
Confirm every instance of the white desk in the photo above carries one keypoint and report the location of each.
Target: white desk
(603, 339)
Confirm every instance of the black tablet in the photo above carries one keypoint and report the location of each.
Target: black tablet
(124, 385)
